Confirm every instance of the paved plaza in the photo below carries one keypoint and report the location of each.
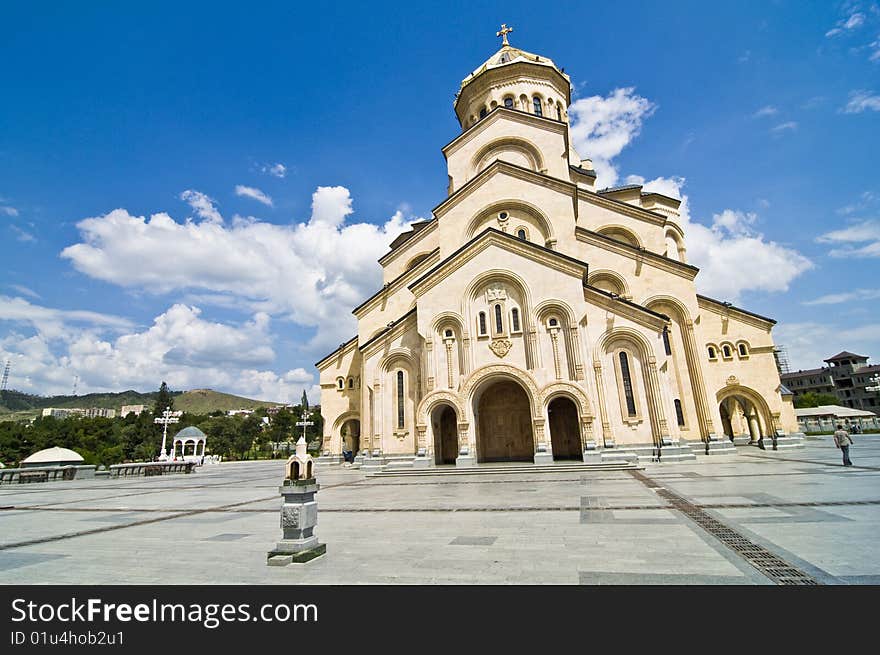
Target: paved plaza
(712, 521)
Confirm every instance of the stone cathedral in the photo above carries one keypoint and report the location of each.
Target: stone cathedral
(537, 318)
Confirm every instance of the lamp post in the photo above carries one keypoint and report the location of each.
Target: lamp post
(167, 417)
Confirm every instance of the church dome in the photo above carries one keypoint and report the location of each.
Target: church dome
(514, 79)
(53, 457)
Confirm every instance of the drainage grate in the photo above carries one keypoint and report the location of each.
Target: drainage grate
(774, 567)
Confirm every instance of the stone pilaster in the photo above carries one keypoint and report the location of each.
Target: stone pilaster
(698, 386)
(655, 400)
(607, 437)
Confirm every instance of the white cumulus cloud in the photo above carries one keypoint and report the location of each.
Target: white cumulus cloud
(312, 273)
(179, 347)
(732, 256)
(602, 127)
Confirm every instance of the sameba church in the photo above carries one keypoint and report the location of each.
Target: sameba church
(537, 318)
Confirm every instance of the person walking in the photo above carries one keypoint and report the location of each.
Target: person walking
(843, 441)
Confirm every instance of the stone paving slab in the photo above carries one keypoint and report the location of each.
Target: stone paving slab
(216, 525)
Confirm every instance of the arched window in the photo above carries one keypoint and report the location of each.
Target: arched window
(558, 112)
(514, 320)
(400, 408)
(482, 323)
(536, 103)
(482, 112)
(351, 383)
(627, 384)
(340, 383)
(448, 334)
(726, 350)
(712, 354)
(679, 414)
(666, 346)
(521, 233)
(742, 350)
(499, 324)
(508, 102)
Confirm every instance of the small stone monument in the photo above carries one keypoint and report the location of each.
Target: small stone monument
(299, 512)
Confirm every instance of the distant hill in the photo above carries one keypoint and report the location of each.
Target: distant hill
(17, 405)
(205, 401)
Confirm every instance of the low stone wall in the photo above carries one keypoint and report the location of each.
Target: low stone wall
(147, 469)
(46, 473)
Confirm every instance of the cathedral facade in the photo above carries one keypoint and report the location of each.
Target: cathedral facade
(537, 318)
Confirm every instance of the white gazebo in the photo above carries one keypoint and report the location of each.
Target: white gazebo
(191, 442)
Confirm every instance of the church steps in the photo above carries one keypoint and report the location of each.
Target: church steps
(489, 469)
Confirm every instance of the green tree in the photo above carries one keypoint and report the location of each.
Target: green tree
(813, 399)
(164, 400)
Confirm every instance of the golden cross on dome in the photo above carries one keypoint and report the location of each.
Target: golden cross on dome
(503, 33)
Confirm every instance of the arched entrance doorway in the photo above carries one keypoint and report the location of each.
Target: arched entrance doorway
(351, 435)
(504, 423)
(444, 425)
(564, 431)
(743, 412)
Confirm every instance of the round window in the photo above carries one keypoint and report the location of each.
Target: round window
(502, 215)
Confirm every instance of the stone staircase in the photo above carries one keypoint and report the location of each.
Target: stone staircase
(505, 468)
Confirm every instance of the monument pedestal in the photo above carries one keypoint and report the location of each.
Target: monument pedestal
(299, 512)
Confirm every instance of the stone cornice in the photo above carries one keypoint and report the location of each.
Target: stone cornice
(394, 252)
(625, 308)
(632, 252)
(394, 328)
(506, 168)
(397, 283)
(621, 207)
(344, 348)
(721, 308)
(492, 237)
(503, 113)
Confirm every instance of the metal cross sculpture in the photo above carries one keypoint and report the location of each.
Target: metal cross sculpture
(503, 33)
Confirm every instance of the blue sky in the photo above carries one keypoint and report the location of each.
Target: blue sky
(198, 192)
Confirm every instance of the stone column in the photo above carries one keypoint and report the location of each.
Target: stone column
(576, 354)
(533, 347)
(654, 400)
(378, 419)
(466, 450)
(698, 386)
(449, 365)
(543, 449)
(607, 437)
(429, 363)
(554, 340)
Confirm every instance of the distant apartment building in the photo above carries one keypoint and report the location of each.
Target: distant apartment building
(62, 413)
(67, 412)
(239, 412)
(132, 409)
(100, 412)
(847, 376)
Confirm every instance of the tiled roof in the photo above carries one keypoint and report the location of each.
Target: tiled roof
(844, 355)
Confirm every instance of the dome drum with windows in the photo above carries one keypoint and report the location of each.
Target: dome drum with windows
(537, 318)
